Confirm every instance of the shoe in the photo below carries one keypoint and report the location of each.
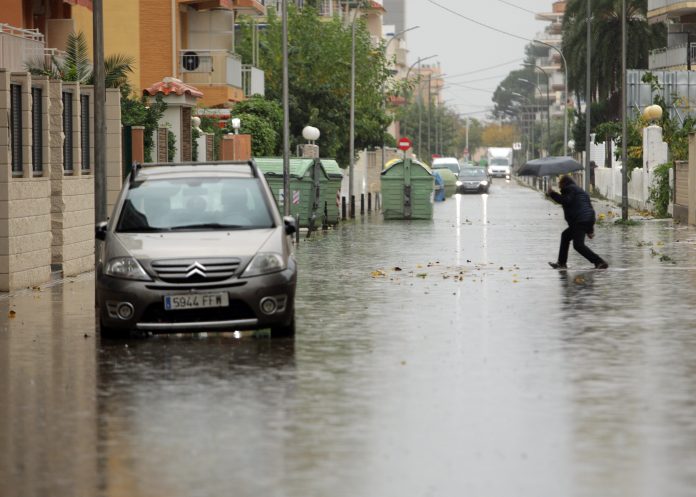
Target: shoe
(601, 265)
(558, 265)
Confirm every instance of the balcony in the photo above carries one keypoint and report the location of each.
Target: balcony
(679, 56)
(211, 67)
(17, 46)
(660, 10)
(253, 81)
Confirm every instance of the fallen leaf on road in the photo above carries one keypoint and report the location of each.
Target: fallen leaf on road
(378, 274)
(11, 314)
(397, 268)
(422, 275)
(579, 280)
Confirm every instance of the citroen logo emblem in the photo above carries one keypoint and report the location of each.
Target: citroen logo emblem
(195, 269)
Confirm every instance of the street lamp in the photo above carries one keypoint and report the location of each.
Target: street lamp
(565, 92)
(286, 114)
(420, 106)
(384, 88)
(548, 98)
(532, 121)
(624, 130)
(351, 169)
(548, 111)
(236, 124)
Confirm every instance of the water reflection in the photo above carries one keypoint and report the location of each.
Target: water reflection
(177, 414)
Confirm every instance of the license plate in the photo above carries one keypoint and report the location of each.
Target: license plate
(196, 301)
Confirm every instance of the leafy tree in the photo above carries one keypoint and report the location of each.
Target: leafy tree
(503, 135)
(139, 111)
(606, 43)
(76, 66)
(264, 139)
(447, 130)
(320, 64)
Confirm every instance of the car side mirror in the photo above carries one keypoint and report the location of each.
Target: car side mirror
(100, 230)
(290, 225)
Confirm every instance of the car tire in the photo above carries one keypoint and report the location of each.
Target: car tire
(111, 333)
(286, 330)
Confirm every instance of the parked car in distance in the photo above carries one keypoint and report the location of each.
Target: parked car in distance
(194, 248)
(474, 179)
(450, 163)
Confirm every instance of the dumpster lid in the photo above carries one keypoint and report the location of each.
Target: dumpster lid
(396, 162)
(332, 169)
(273, 166)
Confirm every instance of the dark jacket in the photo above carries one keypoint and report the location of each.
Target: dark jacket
(577, 207)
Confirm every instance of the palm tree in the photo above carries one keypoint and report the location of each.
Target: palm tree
(606, 43)
(76, 66)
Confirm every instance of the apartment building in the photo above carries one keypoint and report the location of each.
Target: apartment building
(192, 40)
(551, 75)
(680, 18)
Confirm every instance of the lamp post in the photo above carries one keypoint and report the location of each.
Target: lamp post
(624, 131)
(286, 114)
(352, 118)
(236, 124)
(548, 100)
(565, 93)
(548, 111)
(420, 95)
(588, 97)
(384, 88)
(532, 121)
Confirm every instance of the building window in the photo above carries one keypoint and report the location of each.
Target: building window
(16, 128)
(37, 131)
(68, 132)
(84, 132)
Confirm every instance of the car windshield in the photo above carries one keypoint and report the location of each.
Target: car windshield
(499, 162)
(448, 165)
(193, 204)
(473, 173)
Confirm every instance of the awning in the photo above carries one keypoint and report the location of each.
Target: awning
(209, 4)
(83, 3)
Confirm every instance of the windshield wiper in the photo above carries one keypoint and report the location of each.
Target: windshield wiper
(142, 229)
(212, 226)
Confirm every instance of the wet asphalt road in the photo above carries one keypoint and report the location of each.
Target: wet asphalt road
(475, 370)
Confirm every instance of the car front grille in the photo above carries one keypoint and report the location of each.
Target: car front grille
(195, 270)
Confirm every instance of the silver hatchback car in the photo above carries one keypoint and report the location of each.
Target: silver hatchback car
(194, 248)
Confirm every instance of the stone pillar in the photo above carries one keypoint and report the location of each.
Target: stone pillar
(236, 147)
(138, 144)
(161, 154)
(309, 151)
(209, 146)
(655, 151)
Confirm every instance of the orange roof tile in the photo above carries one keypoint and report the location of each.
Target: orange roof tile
(84, 3)
(173, 85)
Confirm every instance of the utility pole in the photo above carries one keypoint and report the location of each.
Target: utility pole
(420, 114)
(286, 114)
(352, 120)
(588, 98)
(468, 152)
(624, 104)
(430, 114)
(100, 213)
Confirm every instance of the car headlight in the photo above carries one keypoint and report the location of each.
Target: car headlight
(459, 183)
(484, 183)
(264, 263)
(127, 268)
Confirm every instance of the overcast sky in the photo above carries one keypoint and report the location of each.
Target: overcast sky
(464, 47)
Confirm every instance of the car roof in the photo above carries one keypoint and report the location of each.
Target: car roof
(187, 170)
(445, 160)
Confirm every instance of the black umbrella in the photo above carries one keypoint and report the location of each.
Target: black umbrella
(550, 166)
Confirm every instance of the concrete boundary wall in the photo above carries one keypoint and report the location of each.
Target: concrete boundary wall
(608, 184)
(47, 216)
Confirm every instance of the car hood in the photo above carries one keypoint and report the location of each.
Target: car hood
(238, 243)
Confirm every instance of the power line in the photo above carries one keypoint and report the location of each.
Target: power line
(487, 26)
(515, 61)
(525, 9)
(477, 80)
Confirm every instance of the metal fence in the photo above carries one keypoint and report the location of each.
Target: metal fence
(678, 90)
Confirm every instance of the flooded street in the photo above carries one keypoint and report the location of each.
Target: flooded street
(431, 359)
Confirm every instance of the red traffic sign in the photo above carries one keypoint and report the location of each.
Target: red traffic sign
(405, 144)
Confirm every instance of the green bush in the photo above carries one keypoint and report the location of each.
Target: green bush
(660, 191)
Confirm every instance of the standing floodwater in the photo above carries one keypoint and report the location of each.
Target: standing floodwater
(431, 359)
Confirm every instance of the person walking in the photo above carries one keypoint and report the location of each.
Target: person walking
(580, 216)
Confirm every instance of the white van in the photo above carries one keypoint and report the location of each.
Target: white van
(450, 163)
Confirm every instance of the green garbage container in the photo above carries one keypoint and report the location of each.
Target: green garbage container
(450, 180)
(330, 191)
(306, 178)
(407, 190)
